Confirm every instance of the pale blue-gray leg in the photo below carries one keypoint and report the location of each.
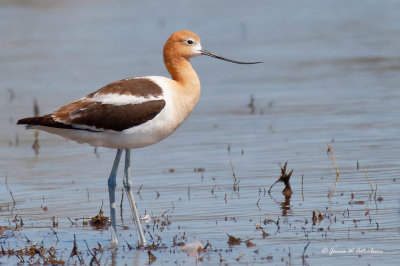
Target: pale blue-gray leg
(112, 183)
(129, 193)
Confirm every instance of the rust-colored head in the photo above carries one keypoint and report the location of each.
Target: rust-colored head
(184, 44)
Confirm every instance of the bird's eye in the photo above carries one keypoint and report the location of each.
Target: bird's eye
(190, 42)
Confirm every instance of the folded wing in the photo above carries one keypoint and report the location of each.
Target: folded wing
(118, 106)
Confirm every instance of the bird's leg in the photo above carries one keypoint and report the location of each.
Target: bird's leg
(111, 191)
(129, 193)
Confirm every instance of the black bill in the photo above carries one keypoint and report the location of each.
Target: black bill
(205, 52)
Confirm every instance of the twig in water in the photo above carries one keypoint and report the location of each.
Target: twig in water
(212, 190)
(72, 223)
(334, 162)
(162, 215)
(12, 197)
(130, 247)
(304, 251)
(55, 223)
(54, 232)
(9, 190)
(94, 259)
(376, 189)
(235, 181)
(138, 192)
(369, 182)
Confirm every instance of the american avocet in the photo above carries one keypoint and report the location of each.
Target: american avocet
(133, 113)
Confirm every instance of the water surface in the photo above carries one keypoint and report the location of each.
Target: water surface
(330, 76)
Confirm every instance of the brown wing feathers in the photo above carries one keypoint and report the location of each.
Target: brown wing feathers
(46, 120)
(94, 116)
(141, 87)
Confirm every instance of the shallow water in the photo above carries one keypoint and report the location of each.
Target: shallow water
(330, 76)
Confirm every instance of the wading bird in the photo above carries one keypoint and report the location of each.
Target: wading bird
(133, 113)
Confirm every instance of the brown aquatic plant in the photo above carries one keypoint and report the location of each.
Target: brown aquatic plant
(249, 244)
(314, 218)
(152, 257)
(99, 221)
(317, 217)
(260, 228)
(233, 240)
(359, 202)
(34, 254)
(53, 220)
(264, 234)
(177, 244)
(286, 204)
(285, 177)
(75, 252)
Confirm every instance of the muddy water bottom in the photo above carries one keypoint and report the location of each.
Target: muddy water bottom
(326, 80)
